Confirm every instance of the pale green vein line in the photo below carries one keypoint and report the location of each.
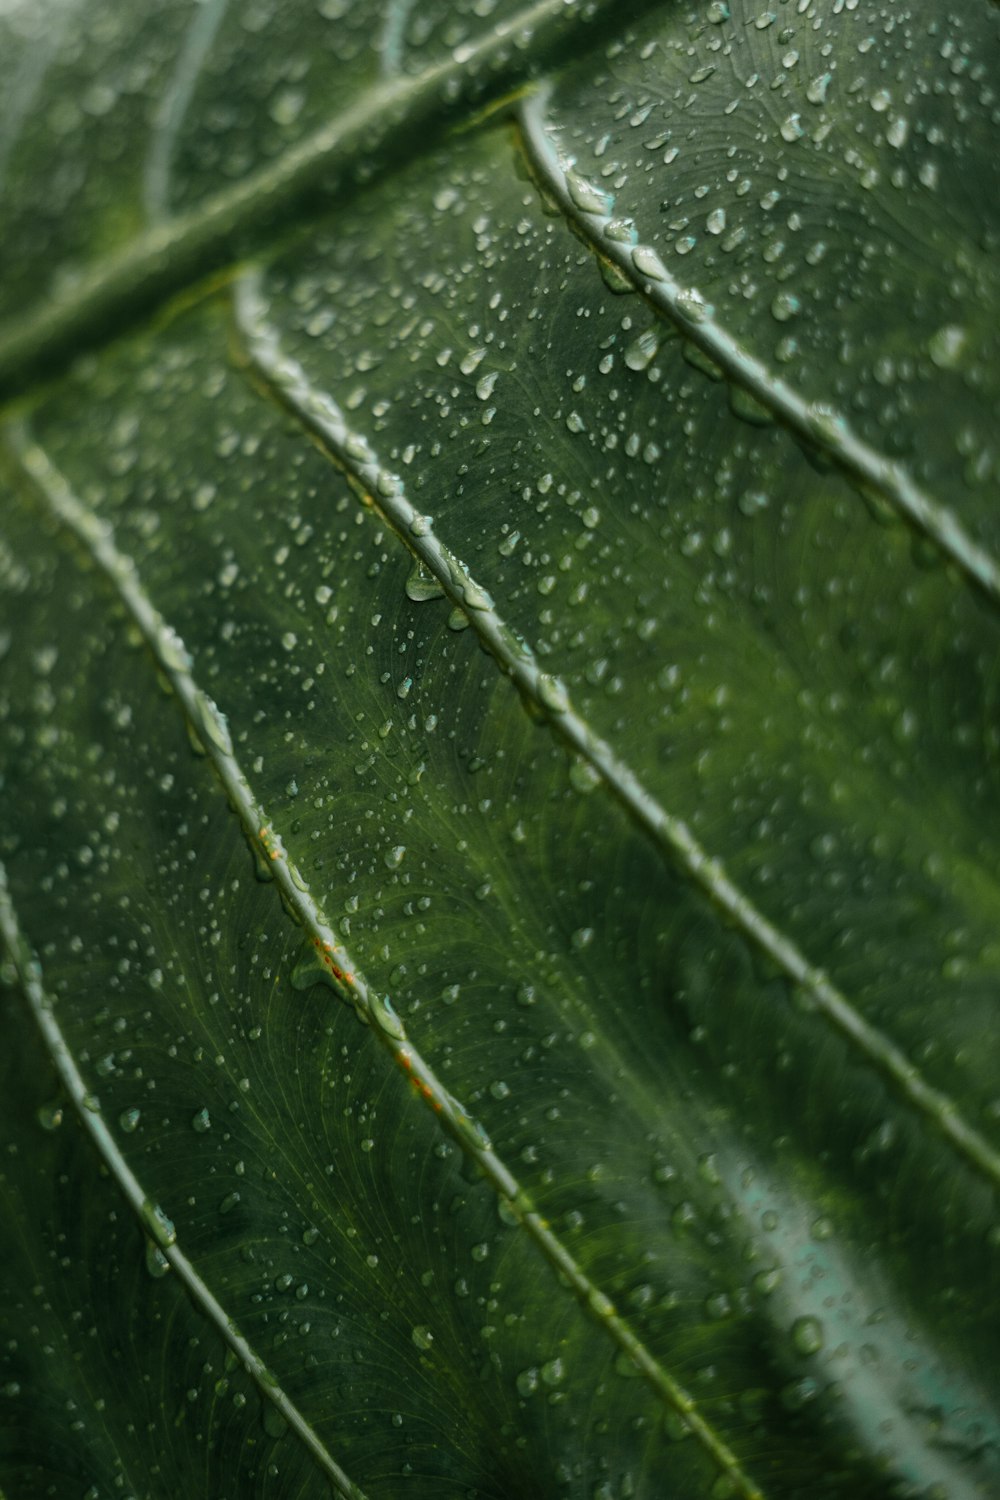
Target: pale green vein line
(173, 107)
(345, 151)
(822, 427)
(153, 1220)
(334, 961)
(325, 422)
(390, 44)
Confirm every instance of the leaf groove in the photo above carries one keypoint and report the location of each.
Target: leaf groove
(149, 1214)
(820, 426)
(336, 966)
(323, 420)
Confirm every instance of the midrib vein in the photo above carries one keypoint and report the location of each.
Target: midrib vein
(395, 115)
(338, 968)
(323, 420)
(820, 426)
(150, 1216)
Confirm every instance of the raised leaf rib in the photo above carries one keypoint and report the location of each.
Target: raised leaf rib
(818, 425)
(150, 1215)
(325, 422)
(337, 968)
(199, 244)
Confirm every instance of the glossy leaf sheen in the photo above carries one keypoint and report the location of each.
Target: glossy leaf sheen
(499, 619)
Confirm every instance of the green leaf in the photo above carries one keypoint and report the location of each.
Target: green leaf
(499, 617)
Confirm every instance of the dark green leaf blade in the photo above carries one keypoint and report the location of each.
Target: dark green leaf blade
(744, 1108)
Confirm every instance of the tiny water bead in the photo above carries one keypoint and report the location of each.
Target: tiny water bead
(50, 1116)
(807, 1335)
(157, 1263)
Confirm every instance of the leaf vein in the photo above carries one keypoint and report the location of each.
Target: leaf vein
(820, 426)
(324, 421)
(149, 1215)
(184, 250)
(338, 969)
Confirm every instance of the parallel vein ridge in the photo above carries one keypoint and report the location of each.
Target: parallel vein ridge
(173, 107)
(320, 416)
(333, 962)
(821, 426)
(149, 1214)
(177, 252)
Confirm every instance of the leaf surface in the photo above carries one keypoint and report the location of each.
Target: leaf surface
(500, 621)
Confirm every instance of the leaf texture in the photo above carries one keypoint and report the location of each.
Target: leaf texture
(500, 600)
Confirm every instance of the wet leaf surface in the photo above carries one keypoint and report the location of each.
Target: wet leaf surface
(499, 620)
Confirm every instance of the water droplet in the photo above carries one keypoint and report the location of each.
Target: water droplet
(274, 1423)
(211, 724)
(792, 128)
(648, 263)
(229, 1202)
(798, 1393)
(947, 345)
(749, 409)
(50, 1116)
(128, 1120)
(817, 90)
(385, 1017)
(173, 651)
(683, 1217)
(622, 231)
(527, 1382)
(692, 305)
(471, 361)
(202, 1122)
(718, 1306)
(675, 1427)
(421, 584)
(898, 131)
(158, 1226)
(807, 1335)
(484, 386)
(826, 423)
(586, 196)
(552, 693)
(785, 306)
(422, 1336)
(583, 776)
(642, 351)
(716, 221)
(625, 1365)
(156, 1262)
(476, 597)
